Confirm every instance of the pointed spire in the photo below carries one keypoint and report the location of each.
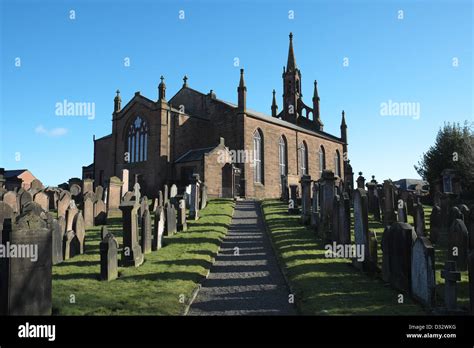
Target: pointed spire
(241, 93)
(162, 89)
(117, 102)
(185, 81)
(274, 105)
(291, 64)
(343, 121)
(315, 94)
(316, 113)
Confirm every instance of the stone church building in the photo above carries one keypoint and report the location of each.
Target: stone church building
(236, 151)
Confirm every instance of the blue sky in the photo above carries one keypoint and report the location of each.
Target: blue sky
(82, 60)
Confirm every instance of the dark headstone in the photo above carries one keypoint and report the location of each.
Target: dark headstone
(402, 214)
(108, 258)
(435, 224)
(305, 199)
(132, 252)
(293, 200)
(71, 245)
(146, 232)
(25, 198)
(315, 207)
(361, 223)
(57, 241)
(419, 220)
(450, 276)
(170, 226)
(458, 240)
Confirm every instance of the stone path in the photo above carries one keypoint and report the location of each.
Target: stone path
(249, 283)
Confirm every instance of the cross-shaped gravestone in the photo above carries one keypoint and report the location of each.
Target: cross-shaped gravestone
(450, 276)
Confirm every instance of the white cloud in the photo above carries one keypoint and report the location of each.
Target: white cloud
(55, 132)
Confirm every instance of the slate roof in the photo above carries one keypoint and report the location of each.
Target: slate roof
(194, 155)
(14, 173)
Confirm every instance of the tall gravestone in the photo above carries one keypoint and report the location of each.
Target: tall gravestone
(182, 225)
(423, 280)
(327, 188)
(203, 202)
(458, 243)
(170, 226)
(42, 199)
(87, 186)
(146, 232)
(132, 252)
(435, 224)
(305, 199)
(11, 199)
(173, 194)
(100, 212)
(99, 193)
(158, 228)
(166, 193)
(71, 213)
(315, 207)
(114, 194)
(361, 226)
(80, 231)
(419, 219)
(88, 208)
(125, 181)
(57, 241)
(345, 219)
(335, 228)
(26, 282)
(25, 197)
(389, 203)
(108, 258)
(64, 202)
(293, 201)
(195, 191)
(451, 276)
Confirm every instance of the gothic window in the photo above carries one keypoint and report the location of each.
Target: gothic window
(322, 160)
(137, 141)
(258, 156)
(337, 163)
(303, 158)
(283, 157)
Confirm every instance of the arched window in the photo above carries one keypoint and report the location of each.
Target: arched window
(258, 156)
(283, 156)
(337, 163)
(137, 141)
(322, 160)
(303, 158)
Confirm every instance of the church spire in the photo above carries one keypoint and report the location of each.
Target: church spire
(274, 106)
(291, 64)
(117, 102)
(162, 89)
(316, 112)
(242, 93)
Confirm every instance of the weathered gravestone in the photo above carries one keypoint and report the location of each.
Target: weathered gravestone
(203, 202)
(25, 197)
(450, 276)
(423, 282)
(173, 192)
(132, 252)
(99, 193)
(71, 245)
(80, 231)
(88, 207)
(419, 220)
(146, 232)
(326, 196)
(195, 190)
(76, 191)
(125, 181)
(143, 206)
(155, 204)
(315, 207)
(361, 226)
(182, 225)
(389, 203)
(170, 226)
(108, 258)
(100, 212)
(160, 197)
(57, 241)
(158, 229)
(136, 192)
(113, 194)
(64, 203)
(25, 280)
(402, 213)
(305, 199)
(166, 193)
(87, 186)
(435, 224)
(293, 201)
(36, 185)
(11, 199)
(335, 229)
(345, 219)
(397, 243)
(6, 212)
(128, 196)
(458, 242)
(42, 199)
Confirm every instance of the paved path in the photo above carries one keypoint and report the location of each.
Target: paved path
(249, 283)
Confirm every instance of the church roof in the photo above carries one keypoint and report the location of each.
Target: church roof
(194, 155)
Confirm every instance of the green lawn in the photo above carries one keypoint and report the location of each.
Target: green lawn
(327, 286)
(163, 285)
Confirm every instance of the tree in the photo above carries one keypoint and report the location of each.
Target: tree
(453, 149)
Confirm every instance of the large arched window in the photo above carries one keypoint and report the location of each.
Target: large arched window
(322, 160)
(303, 158)
(337, 163)
(283, 156)
(258, 156)
(137, 141)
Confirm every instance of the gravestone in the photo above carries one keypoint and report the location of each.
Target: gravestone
(42, 199)
(57, 241)
(108, 258)
(389, 203)
(402, 213)
(195, 191)
(182, 225)
(128, 196)
(397, 243)
(136, 192)
(335, 228)
(70, 214)
(11, 199)
(88, 208)
(80, 231)
(125, 182)
(360, 181)
(315, 207)
(99, 193)
(450, 276)
(371, 192)
(170, 226)
(305, 199)
(419, 220)
(423, 282)
(100, 213)
(371, 265)
(345, 219)
(203, 202)
(87, 186)
(173, 191)
(458, 242)
(327, 187)
(71, 245)
(36, 185)
(435, 224)
(64, 202)
(160, 198)
(155, 204)
(376, 205)
(146, 232)
(62, 226)
(26, 282)
(285, 194)
(293, 201)
(187, 196)
(25, 197)
(166, 194)
(114, 194)
(143, 206)
(132, 252)
(103, 232)
(6, 212)
(361, 222)
(158, 228)
(75, 191)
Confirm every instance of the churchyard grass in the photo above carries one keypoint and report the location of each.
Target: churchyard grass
(163, 285)
(328, 286)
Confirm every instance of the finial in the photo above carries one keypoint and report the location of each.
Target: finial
(241, 71)
(273, 92)
(185, 81)
(291, 36)
(118, 92)
(162, 78)
(360, 173)
(373, 177)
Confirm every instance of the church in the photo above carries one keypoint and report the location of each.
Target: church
(167, 140)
